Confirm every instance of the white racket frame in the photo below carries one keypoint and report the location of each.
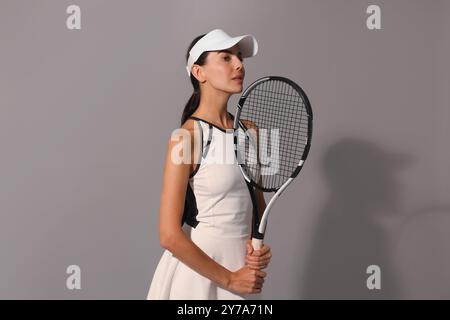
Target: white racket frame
(258, 243)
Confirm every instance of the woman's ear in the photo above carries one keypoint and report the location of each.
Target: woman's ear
(197, 72)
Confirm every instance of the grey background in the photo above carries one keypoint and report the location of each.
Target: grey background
(85, 115)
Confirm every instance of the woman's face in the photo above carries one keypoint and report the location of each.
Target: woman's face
(221, 69)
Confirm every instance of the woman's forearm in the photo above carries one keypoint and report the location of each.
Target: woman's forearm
(191, 255)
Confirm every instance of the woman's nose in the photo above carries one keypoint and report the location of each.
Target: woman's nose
(239, 64)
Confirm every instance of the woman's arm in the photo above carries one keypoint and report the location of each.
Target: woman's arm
(172, 237)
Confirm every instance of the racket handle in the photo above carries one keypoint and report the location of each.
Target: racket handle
(257, 243)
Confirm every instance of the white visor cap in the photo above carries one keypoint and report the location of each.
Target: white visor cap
(217, 39)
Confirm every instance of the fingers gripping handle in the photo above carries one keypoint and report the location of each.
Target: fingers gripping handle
(257, 243)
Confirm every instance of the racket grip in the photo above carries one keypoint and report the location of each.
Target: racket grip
(257, 243)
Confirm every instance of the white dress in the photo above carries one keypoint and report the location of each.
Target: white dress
(224, 223)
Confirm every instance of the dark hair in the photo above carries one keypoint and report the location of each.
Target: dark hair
(194, 100)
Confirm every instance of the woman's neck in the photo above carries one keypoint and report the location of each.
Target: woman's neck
(213, 108)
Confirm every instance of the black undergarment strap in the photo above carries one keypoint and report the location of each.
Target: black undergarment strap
(190, 208)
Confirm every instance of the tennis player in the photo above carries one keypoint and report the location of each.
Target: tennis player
(206, 206)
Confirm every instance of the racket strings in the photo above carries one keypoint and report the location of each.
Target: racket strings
(277, 123)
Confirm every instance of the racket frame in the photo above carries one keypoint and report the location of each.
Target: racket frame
(257, 240)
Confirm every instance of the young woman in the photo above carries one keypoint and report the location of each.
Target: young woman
(206, 229)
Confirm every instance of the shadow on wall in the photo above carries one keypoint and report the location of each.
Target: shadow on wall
(422, 253)
(351, 229)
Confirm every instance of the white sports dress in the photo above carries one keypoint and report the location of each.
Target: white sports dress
(224, 222)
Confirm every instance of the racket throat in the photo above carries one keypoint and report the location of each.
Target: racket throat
(265, 216)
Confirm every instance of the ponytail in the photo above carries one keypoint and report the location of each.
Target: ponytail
(191, 106)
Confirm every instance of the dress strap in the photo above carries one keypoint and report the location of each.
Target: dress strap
(208, 142)
(201, 155)
(204, 148)
(211, 124)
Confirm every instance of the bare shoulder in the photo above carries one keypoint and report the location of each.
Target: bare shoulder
(189, 124)
(183, 144)
(191, 127)
(186, 130)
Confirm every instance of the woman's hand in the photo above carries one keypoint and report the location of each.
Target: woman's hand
(246, 280)
(257, 259)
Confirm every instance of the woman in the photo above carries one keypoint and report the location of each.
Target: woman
(210, 256)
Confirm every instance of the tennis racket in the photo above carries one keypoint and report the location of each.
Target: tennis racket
(272, 138)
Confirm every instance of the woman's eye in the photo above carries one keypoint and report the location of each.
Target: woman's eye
(228, 58)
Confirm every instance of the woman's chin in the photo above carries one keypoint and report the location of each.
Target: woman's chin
(239, 89)
(235, 89)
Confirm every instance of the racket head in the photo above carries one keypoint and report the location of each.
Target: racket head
(273, 130)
